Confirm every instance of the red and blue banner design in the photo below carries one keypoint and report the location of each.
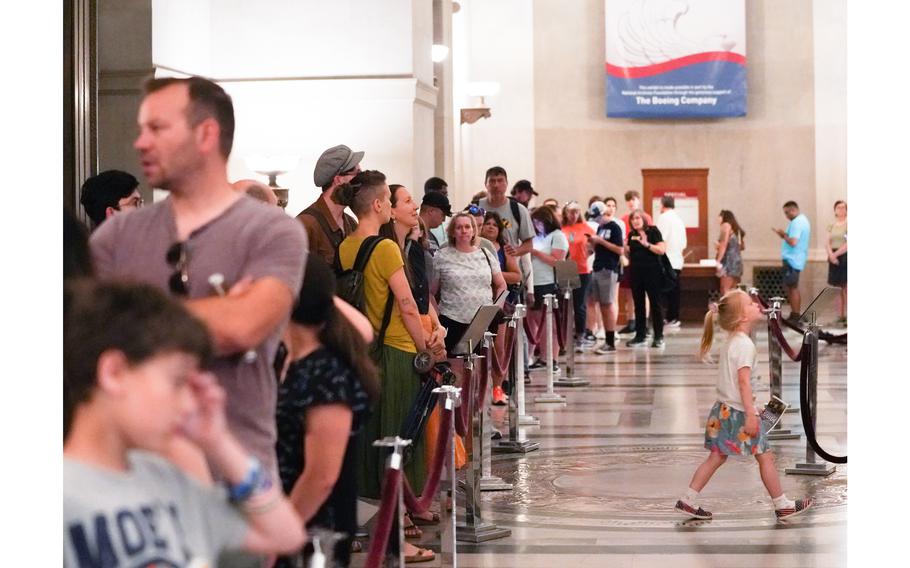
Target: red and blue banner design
(668, 59)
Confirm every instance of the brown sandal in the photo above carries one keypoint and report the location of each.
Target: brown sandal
(420, 521)
(411, 531)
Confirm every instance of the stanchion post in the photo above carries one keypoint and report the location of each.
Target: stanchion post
(811, 466)
(324, 541)
(450, 398)
(775, 366)
(395, 462)
(524, 419)
(567, 379)
(550, 395)
(474, 528)
(515, 443)
(488, 481)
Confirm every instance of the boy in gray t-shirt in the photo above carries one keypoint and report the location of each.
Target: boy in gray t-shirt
(131, 383)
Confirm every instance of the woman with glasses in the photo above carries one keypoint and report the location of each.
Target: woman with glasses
(467, 277)
(493, 230)
(369, 198)
(479, 214)
(644, 247)
(577, 232)
(550, 246)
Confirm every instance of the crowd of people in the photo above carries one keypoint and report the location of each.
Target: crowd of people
(211, 341)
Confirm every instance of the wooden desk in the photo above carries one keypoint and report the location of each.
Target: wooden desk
(696, 287)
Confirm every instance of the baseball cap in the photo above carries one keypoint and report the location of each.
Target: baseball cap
(523, 185)
(334, 161)
(596, 209)
(438, 200)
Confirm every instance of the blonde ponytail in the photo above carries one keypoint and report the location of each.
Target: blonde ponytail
(707, 337)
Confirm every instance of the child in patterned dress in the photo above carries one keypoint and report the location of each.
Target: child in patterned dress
(733, 426)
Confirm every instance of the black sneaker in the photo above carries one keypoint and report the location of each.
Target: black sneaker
(538, 364)
(800, 506)
(605, 349)
(690, 511)
(589, 336)
(630, 328)
(637, 342)
(657, 343)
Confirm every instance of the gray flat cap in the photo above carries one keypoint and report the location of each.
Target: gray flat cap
(334, 161)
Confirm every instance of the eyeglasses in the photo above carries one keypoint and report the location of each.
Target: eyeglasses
(178, 259)
(476, 211)
(135, 202)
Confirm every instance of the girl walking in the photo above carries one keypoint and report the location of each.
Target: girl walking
(733, 426)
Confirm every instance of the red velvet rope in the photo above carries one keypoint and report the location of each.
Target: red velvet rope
(562, 322)
(779, 335)
(534, 338)
(380, 538)
(443, 439)
(499, 365)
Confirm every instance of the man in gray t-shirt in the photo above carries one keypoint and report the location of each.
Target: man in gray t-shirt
(206, 240)
(519, 230)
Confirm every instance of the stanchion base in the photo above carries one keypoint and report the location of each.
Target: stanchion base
(792, 410)
(528, 420)
(480, 533)
(784, 435)
(517, 447)
(493, 483)
(824, 469)
(571, 382)
(546, 397)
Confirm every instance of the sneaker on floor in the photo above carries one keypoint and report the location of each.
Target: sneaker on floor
(527, 379)
(605, 349)
(589, 336)
(637, 342)
(691, 511)
(630, 328)
(672, 324)
(657, 343)
(495, 434)
(800, 506)
(538, 364)
(499, 396)
(579, 347)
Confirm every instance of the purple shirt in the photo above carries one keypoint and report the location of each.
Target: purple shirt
(248, 239)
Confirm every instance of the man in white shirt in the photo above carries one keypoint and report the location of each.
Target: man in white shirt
(674, 233)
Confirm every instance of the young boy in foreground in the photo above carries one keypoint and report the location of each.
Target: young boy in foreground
(131, 383)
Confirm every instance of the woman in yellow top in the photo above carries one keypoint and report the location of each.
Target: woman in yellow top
(837, 255)
(369, 198)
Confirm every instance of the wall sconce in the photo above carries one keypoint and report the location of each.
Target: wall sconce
(479, 89)
(273, 166)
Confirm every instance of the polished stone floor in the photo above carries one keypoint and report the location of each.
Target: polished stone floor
(615, 457)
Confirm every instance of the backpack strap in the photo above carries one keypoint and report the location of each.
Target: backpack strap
(516, 213)
(323, 222)
(360, 264)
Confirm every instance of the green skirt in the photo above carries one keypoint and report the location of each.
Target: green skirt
(399, 384)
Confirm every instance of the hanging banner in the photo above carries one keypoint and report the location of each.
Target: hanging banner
(675, 59)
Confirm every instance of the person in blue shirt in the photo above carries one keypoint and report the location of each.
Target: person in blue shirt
(794, 250)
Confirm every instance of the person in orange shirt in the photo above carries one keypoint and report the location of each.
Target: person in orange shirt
(577, 232)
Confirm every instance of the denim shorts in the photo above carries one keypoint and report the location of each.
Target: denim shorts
(791, 276)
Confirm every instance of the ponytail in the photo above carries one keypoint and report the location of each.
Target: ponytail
(707, 337)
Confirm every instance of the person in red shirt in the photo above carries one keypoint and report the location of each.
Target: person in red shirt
(577, 232)
(633, 202)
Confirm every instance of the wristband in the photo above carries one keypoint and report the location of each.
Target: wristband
(255, 479)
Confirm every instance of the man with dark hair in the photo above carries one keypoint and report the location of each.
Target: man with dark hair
(108, 193)
(131, 383)
(519, 231)
(523, 191)
(325, 221)
(673, 231)
(236, 264)
(437, 185)
(794, 252)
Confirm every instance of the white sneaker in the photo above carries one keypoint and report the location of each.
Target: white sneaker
(605, 349)
(672, 324)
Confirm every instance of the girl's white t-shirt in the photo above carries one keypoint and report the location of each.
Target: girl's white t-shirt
(543, 272)
(737, 352)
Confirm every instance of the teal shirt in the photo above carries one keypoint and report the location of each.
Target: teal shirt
(800, 230)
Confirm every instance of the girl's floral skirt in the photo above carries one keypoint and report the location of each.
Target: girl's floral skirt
(725, 433)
